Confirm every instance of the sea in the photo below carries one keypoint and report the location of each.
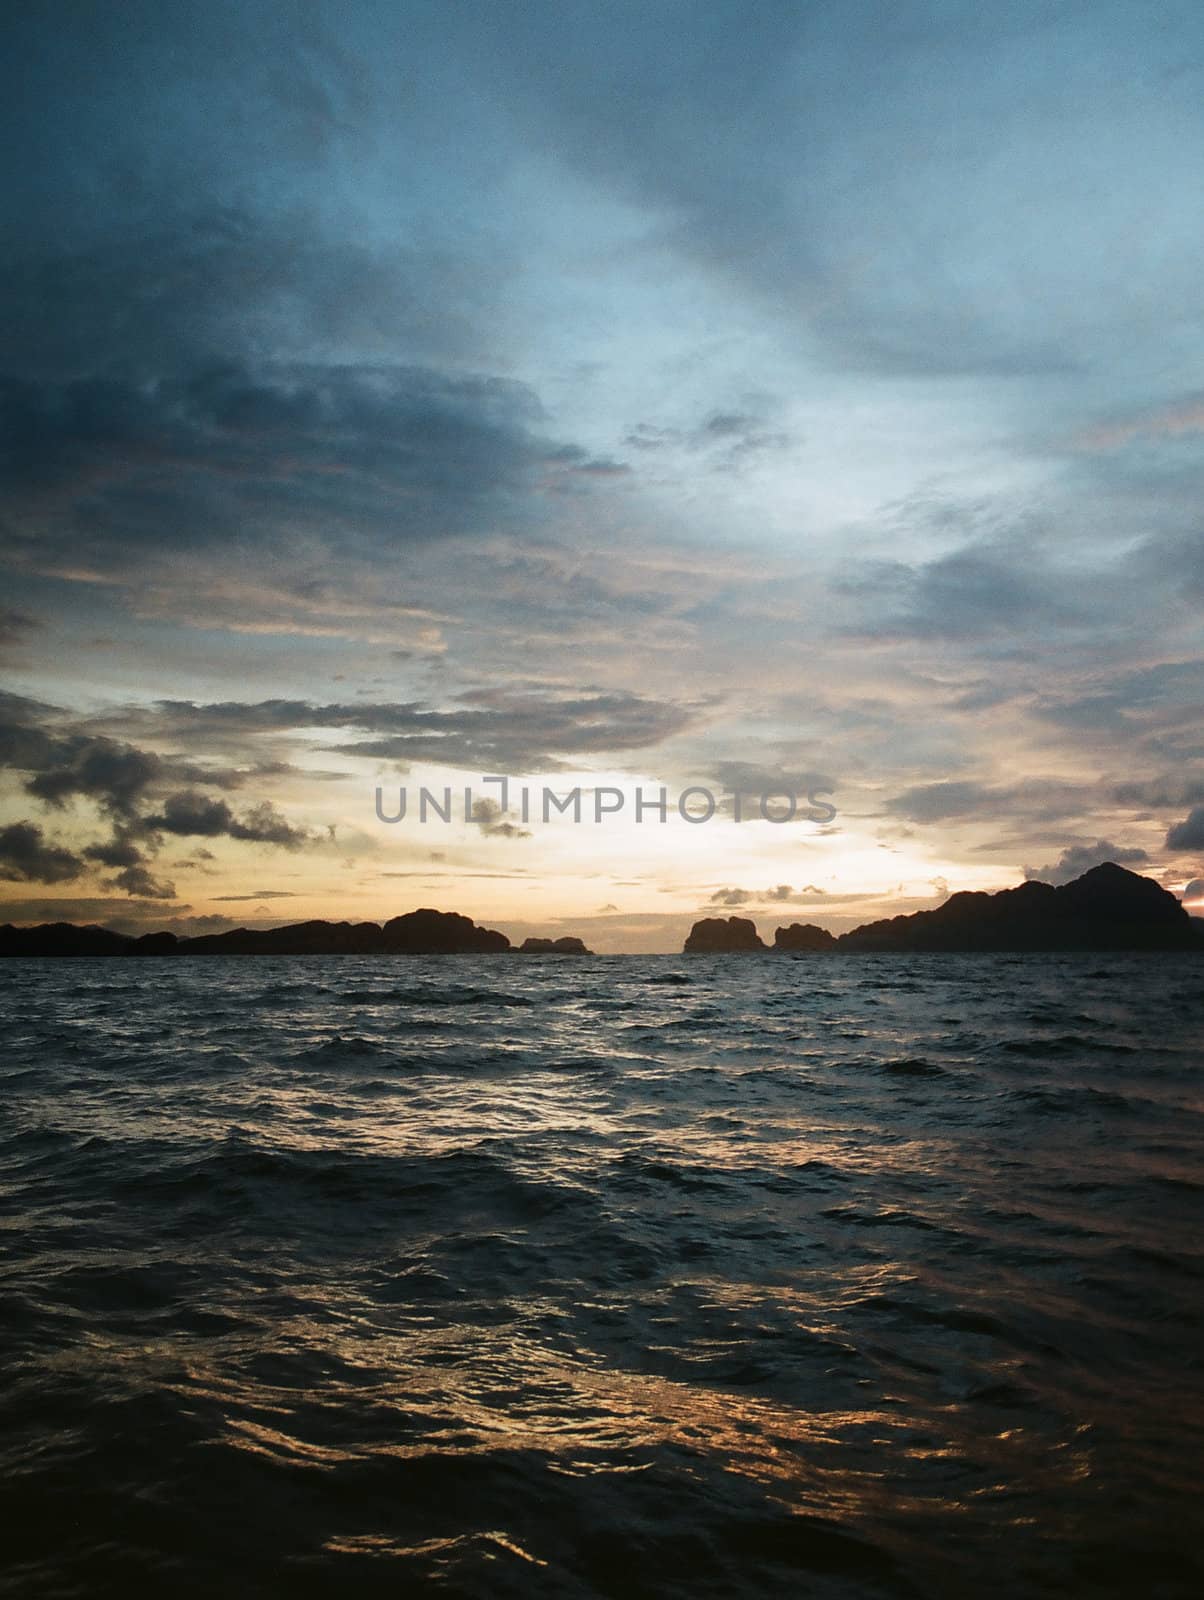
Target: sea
(847, 1276)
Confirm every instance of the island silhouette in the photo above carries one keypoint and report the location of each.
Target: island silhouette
(1108, 908)
(417, 933)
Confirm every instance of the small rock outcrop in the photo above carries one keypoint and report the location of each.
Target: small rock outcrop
(553, 947)
(804, 936)
(719, 935)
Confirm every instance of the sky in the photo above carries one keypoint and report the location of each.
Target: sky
(779, 399)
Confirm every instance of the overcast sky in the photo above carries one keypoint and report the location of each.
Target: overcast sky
(603, 394)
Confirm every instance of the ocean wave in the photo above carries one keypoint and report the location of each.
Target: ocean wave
(766, 1278)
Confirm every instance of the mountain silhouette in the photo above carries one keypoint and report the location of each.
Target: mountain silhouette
(418, 933)
(1108, 908)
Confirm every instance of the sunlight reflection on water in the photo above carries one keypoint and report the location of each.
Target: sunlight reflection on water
(877, 1275)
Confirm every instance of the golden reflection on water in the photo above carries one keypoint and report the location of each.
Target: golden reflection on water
(450, 1391)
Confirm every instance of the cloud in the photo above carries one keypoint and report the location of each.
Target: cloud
(975, 591)
(15, 626)
(491, 730)
(1188, 834)
(953, 800)
(726, 441)
(64, 761)
(263, 824)
(150, 295)
(107, 471)
(926, 192)
(945, 800)
(258, 894)
(1158, 793)
(755, 781)
(206, 352)
(116, 776)
(140, 882)
(1079, 858)
(119, 851)
(779, 894)
(1165, 699)
(190, 814)
(491, 820)
(27, 857)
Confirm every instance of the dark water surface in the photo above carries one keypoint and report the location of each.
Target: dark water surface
(854, 1276)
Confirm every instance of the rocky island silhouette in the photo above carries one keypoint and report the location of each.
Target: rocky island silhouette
(1108, 908)
(417, 933)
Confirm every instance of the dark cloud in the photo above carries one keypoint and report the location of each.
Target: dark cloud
(755, 781)
(168, 294)
(198, 355)
(732, 897)
(114, 469)
(493, 822)
(779, 894)
(944, 801)
(263, 824)
(109, 911)
(140, 883)
(63, 762)
(875, 175)
(1188, 834)
(201, 350)
(1158, 709)
(14, 626)
(491, 731)
(24, 743)
(258, 894)
(169, 177)
(190, 814)
(966, 594)
(116, 776)
(726, 440)
(130, 861)
(1079, 858)
(741, 133)
(966, 800)
(119, 851)
(26, 856)
(1172, 789)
